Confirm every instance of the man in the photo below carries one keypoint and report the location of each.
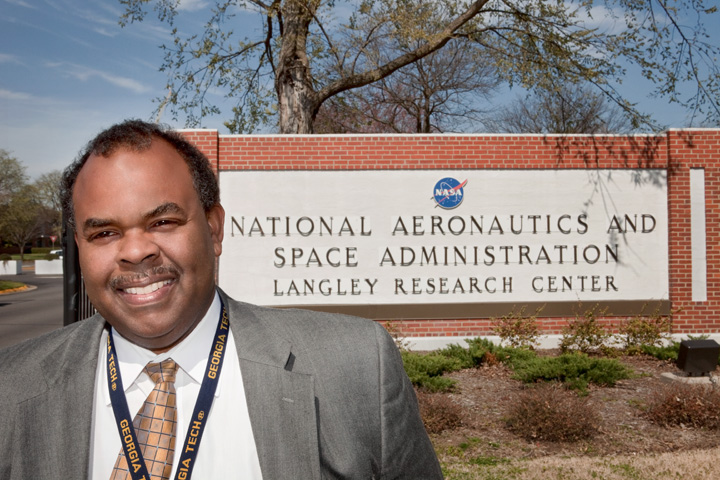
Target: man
(290, 393)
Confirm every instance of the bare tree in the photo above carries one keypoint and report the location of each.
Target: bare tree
(441, 92)
(47, 187)
(569, 109)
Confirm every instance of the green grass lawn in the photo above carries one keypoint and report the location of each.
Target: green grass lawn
(5, 285)
(31, 256)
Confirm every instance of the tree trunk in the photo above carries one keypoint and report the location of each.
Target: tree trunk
(297, 104)
(426, 113)
(297, 100)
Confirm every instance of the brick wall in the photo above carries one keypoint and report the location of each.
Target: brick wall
(686, 150)
(676, 150)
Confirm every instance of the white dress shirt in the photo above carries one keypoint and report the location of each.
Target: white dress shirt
(227, 448)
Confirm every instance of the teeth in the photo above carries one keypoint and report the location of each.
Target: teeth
(145, 290)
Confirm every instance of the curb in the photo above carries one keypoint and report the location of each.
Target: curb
(24, 288)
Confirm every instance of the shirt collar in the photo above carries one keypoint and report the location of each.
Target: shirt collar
(191, 354)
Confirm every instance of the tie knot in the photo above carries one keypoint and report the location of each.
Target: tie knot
(162, 372)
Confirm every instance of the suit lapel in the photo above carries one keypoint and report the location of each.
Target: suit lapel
(281, 402)
(59, 446)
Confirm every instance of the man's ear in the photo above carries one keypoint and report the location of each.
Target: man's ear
(216, 222)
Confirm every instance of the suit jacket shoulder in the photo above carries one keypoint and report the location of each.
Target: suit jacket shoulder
(22, 365)
(46, 393)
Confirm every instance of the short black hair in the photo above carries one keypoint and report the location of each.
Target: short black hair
(138, 135)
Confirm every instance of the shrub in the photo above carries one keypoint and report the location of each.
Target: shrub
(680, 404)
(669, 351)
(465, 356)
(641, 331)
(576, 370)
(50, 256)
(425, 371)
(517, 329)
(438, 412)
(482, 349)
(479, 351)
(585, 334)
(548, 412)
(40, 250)
(515, 357)
(666, 352)
(5, 257)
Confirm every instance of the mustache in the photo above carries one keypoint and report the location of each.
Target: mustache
(139, 276)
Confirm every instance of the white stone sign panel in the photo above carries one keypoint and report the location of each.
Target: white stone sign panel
(427, 237)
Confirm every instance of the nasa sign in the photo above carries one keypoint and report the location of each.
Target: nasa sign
(415, 243)
(449, 193)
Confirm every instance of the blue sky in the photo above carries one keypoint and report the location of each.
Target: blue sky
(68, 70)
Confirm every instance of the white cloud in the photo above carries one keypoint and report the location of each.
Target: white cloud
(122, 82)
(84, 74)
(27, 102)
(150, 32)
(7, 58)
(105, 32)
(611, 20)
(607, 20)
(21, 3)
(17, 96)
(85, 15)
(96, 18)
(192, 5)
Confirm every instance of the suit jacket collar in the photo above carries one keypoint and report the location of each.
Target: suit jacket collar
(255, 340)
(281, 402)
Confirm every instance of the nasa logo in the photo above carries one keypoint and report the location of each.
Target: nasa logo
(448, 193)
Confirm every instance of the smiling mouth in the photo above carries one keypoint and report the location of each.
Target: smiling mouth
(147, 289)
(135, 284)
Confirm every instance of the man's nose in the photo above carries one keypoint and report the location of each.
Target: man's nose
(137, 247)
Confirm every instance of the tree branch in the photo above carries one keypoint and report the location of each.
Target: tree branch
(439, 40)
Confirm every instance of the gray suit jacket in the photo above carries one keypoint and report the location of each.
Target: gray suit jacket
(327, 395)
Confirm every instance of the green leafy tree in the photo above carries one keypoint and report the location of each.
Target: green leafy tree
(27, 210)
(308, 51)
(21, 217)
(12, 180)
(12, 177)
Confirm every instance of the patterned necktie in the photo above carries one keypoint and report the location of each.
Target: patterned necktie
(155, 425)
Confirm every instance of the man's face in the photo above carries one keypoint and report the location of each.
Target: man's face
(147, 248)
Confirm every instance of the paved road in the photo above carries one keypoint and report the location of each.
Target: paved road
(31, 313)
